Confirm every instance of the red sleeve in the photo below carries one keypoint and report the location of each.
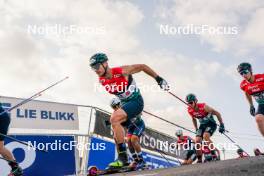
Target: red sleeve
(242, 85)
(117, 70)
(189, 112)
(191, 115)
(261, 75)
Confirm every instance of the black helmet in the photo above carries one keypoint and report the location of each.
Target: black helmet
(190, 98)
(244, 66)
(256, 151)
(98, 58)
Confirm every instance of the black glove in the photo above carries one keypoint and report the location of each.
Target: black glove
(222, 128)
(252, 110)
(162, 83)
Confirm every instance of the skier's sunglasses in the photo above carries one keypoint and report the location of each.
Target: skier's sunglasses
(244, 72)
(190, 103)
(96, 66)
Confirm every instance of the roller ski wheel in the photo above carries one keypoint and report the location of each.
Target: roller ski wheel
(92, 171)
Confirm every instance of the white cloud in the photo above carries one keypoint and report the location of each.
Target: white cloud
(254, 31)
(44, 56)
(31, 62)
(219, 13)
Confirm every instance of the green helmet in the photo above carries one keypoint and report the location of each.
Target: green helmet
(240, 150)
(244, 66)
(98, 58)
(190, 98)
(179, 133)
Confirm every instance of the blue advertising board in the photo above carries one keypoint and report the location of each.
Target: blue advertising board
(58, 161)
(155, 161)
(102, 158)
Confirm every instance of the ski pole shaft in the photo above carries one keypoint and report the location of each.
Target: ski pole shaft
(20, 104)
(33, 96)
(22, 142)
(2, 158)
(234, 142)
(168, 121)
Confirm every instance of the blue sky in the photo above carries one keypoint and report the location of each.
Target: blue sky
(202, 64)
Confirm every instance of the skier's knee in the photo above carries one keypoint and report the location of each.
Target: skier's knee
(260, 119)
(117, 117)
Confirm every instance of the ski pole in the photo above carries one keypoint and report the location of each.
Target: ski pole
(33, 96)
(38, 94)
(216, 124)
(234, 143)
(22, 142)
(2, 158)
(168, 121)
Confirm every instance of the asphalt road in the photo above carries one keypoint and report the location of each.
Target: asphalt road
(252, 166)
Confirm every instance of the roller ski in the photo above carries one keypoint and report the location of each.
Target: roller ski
(142, 166)
(114, 167)
(139, 165)
(118, 167)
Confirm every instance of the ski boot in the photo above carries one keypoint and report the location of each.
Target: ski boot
(117, 165)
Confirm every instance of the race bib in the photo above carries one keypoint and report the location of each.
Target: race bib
(129, 92)
(206, 119)
(259, 97)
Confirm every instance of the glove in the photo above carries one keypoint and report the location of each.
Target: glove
(222, 128)
(162, 83)
(252, 110)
